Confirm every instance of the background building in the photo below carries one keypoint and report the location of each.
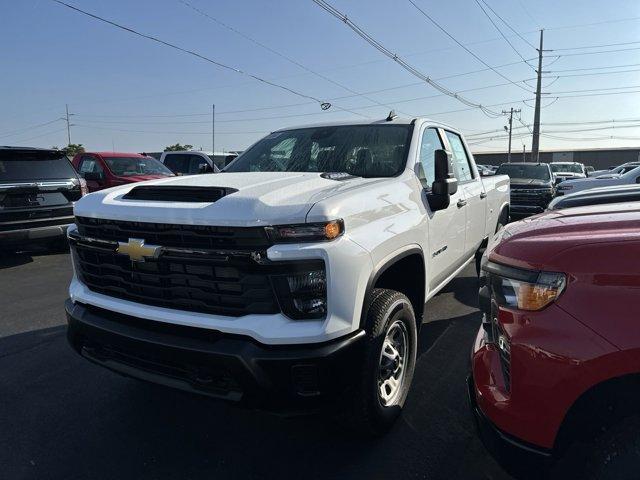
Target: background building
(596, 157)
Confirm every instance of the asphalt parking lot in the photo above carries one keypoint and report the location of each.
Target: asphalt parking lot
(62, 417)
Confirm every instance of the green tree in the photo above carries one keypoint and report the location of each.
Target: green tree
(178, 148)
(72, 149)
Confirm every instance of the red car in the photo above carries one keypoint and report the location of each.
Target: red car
(108, 169)
(555, 368)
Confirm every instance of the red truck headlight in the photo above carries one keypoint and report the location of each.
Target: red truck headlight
(524, 289)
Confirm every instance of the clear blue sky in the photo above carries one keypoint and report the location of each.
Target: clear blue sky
(135, 95)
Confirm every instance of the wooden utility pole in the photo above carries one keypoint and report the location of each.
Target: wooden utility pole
(511, 112)
(535, 142)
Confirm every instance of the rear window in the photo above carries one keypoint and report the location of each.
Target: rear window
(27, 166)
(566, 168)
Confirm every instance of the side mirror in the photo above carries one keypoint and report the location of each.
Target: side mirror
(94, 176)
(637, 179)
(557, 180)
(205, 168)
(445, 184)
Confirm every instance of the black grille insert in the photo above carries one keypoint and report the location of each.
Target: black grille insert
(179, 236)
(171, 193)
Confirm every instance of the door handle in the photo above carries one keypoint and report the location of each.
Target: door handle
(461, 203)
(483, 195)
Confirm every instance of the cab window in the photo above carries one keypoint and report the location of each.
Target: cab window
(460, 159)
(89, 164)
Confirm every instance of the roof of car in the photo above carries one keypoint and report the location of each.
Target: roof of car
(384, 121)
(117, 154)
(27, 149)
(525, 163)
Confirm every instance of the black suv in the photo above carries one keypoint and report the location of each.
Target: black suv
(532, 187)
(37, 191)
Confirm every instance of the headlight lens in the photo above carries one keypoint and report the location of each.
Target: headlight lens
(524, 289)
(306, 232)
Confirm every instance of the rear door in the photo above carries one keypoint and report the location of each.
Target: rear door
(445, 227)
(474, 195)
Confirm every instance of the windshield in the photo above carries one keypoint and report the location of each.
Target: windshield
(566, 168)
(536, 172)
(28, 166)
(132, 166)
(632, 173)
(361, 150)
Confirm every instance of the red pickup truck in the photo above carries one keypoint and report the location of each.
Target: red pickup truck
(555, 368)
(109, 169)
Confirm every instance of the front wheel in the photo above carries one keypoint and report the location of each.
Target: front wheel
(388, 362)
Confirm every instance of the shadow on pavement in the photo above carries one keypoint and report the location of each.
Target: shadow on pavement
(63, 417)
(15, 257)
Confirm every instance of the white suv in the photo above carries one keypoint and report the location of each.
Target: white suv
(297, 278)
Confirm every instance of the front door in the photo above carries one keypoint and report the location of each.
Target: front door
(446, 228)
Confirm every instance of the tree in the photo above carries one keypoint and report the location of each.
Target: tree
(72, 149)
(178, 148)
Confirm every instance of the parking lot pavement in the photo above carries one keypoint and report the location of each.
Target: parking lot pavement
(62, 417)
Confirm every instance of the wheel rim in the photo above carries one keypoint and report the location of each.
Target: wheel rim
(392, 364)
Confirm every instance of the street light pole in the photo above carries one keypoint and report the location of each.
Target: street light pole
(213, 129)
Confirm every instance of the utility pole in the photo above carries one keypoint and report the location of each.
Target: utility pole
(524, 151)
(535, 143)
(213, 129)
(511, 112)
(66, 118)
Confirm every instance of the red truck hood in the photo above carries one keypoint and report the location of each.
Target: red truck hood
(537, 241)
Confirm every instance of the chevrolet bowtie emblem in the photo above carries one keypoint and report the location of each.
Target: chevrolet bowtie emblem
(137, 250)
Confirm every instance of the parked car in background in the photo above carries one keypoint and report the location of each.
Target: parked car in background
(589, 170)
(297, 279)
(193, 162)
(597, 196)
(556, 362)
(619, 170)
(532, 187)
(38, 188)
(109, 169)
(571, 186)
(568, 170)
(485, 171)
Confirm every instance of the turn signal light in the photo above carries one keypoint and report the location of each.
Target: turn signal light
(306, 232)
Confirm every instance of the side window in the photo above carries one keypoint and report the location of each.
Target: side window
(196, 162)
(177, 163)
(89, 164)
(429, 144)
(461, 164)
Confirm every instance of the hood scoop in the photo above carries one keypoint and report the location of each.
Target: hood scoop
(171, 193)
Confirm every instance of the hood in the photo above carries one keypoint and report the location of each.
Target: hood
(529, 182)
(262, 198)
(584, 183)
(537, 241)
(608, 175)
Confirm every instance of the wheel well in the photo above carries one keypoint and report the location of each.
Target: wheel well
(504, 215)
(406, 275)
(599, 408)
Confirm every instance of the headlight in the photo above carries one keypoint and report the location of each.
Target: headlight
(524, 289)
(306, 232)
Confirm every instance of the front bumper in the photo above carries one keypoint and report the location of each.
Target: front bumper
(508, 450)
(291, 379)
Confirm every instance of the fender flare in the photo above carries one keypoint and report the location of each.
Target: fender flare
(377, 273)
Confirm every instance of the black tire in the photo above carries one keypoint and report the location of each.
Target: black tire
(388, 310)
(616, 454)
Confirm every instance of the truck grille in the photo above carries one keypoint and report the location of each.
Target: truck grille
(170, 235)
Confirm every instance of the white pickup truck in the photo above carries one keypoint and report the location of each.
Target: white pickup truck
(295, 279)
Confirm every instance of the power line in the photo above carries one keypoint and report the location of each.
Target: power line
(595, 68)
(580, 25)
(277, 53)
(12, 133)
(381, 48)
(194, 54)
(60, 130)
(593, 90)
(446, 32)
(596, 46)
(171, 132)
(500, 30)
(578, 54)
